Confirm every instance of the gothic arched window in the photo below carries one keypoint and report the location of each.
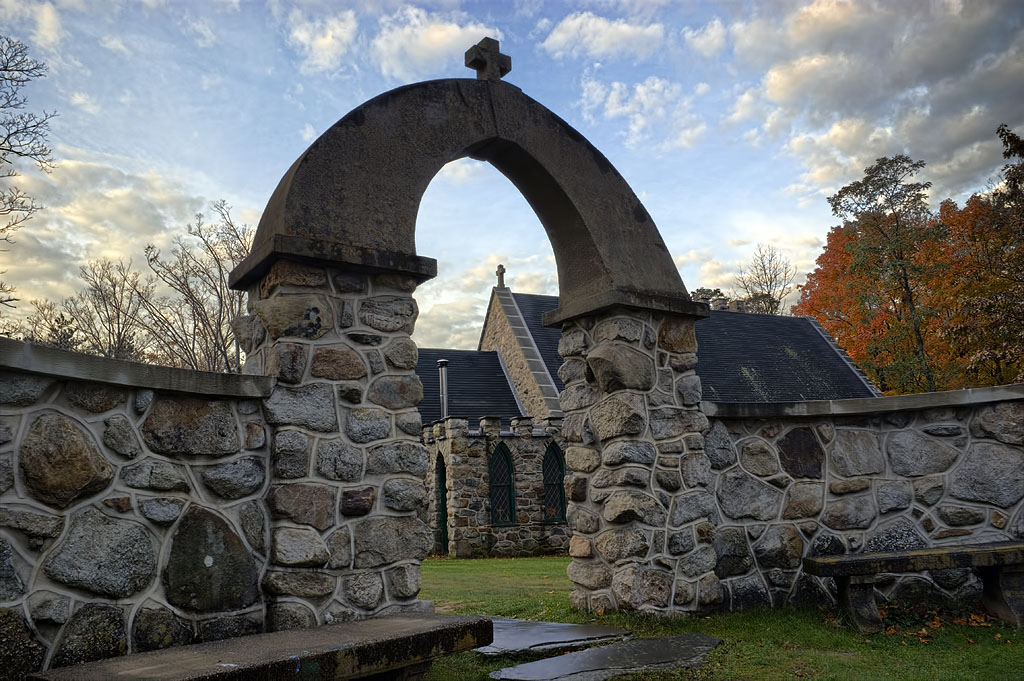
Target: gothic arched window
(503, 498)
(554, 489)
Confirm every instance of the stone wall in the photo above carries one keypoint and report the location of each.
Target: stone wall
(466, 455)
(131, 518)
(499, 336)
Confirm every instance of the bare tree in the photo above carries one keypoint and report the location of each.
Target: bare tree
(766, 280)
(106, 313)
(193, 328)
(22, 136)
(48, 325)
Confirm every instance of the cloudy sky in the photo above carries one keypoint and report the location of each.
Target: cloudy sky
(731, 120)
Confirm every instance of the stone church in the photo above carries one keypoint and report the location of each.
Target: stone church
(492, 417)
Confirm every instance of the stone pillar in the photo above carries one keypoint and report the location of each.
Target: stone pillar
(347, 467)
(637, 473)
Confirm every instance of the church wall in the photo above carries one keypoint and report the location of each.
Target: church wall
(466, 454)
(498, 335)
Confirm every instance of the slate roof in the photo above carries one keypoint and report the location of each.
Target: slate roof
(743, 357)
(477, 386)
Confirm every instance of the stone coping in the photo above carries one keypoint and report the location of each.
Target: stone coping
(39, 359)
(865, 405)
(997, 554)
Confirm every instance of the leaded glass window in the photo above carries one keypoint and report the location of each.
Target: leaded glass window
(503, 505)
(554, 489)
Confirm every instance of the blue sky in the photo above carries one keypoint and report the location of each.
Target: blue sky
(732, 121)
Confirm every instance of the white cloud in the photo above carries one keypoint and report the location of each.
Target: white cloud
(85, 102)
(701, 89)
(654, 107)
(461, 171)
(201, 31)
(844, 82)
(322, 42)
(48, 31)
(210, 80)
(413, 44)
(585, 34)
(308, 134)
(708, 40)
(114, 44)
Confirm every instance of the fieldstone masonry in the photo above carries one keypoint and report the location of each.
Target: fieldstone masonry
(465, 454)
(346, 463)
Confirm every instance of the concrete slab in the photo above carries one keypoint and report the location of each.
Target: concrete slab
(598, 664)
(523, 638)
(338, 651)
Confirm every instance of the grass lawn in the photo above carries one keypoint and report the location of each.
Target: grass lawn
(780, 644)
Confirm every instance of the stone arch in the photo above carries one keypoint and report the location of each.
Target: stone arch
(353, 196)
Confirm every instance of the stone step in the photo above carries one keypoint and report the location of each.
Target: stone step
(597, 664)
(523, 638)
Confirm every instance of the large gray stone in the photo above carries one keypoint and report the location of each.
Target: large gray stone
(579, 396)
(699, 562)
(34, 525)
(288, 616)
(389, 313)
(396, 392)
(620, 414)
(402, 353)
(234, 480)
(338, 364)
(367, 425)
(628, 451)
(850, 513)
(298, 547)
(252, 520)
(404, 581)
(992, 473)
(208, 567)
(337, 460)
(617, 544)
(758, 457)
(301, 502)
(11, 584)
(60, 463)
(339, 545)
(364, 590)
(893, 495)
(300, 316)
(719, 447)
(623, 477)
(155, 474)
(97, 631)
(286, 361)
(898, 535)
(311, 406)
(399, 456)
(800, 454)
(1003, 421)
(958, 516)
(161, 510)
(635, 587)
(21, 654)
(749, 592)
(105, 556)
(185, 426)
(230, 626)
(623, 506)
(911, 454)
(672, 422)
(21, 390)
(696, 469)
(781, 546)
(733, 553)
(677, 335)
(620, 367)
(690, 506)
(741, 495)
(304, 583)
(379, 541)
(401, 494)
(119, 435)
(856, 452)
(804, 500)
(156, 628)
(589, 574)
(290, 454)
(94, 397)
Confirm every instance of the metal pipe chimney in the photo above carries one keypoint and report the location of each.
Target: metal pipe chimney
(442, 371)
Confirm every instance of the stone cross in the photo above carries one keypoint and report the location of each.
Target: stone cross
(501, 275)
(487, 60)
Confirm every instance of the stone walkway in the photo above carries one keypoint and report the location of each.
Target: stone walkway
(523, 638)
(597, 664)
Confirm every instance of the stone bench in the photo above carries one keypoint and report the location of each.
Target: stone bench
(1000, 565)
(398, 648)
